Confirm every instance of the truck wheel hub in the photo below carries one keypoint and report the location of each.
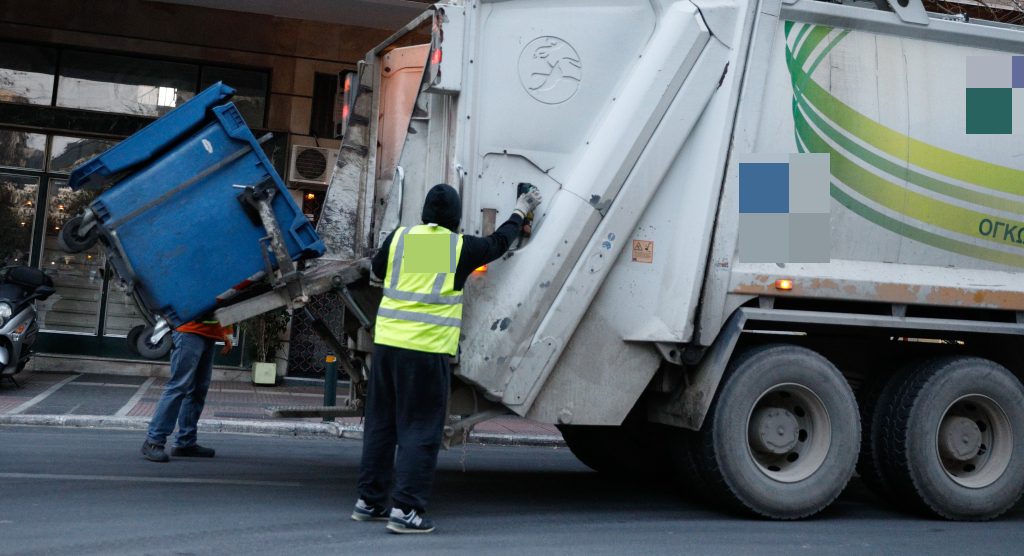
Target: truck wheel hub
(774, 430)
(974, 441)
(960, 438)
(788, 432)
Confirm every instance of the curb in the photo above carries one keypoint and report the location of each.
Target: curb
(272, 428)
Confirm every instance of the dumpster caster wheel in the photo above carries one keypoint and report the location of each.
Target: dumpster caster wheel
(150, 350)
(70, 240)
(133, 337)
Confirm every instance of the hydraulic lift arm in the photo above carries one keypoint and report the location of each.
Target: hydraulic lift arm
(292, 289)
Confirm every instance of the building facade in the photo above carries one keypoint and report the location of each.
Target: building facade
(78, 77)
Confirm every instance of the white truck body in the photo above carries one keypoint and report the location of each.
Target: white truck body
(639, 140)
(632, 117)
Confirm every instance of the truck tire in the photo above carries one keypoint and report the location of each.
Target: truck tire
(782, 436)
(635, 449)
(875, 399)
(687, 472)
(953, 439)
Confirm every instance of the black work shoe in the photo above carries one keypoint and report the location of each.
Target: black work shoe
(193, 451)
(411, 522)
(154, 452)
(367, 512)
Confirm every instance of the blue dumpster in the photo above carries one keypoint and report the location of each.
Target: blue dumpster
(173, 225)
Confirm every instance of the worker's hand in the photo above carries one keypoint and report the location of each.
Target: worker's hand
(366, 266)
(528, 202)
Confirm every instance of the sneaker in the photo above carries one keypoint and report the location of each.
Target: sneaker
(366, 512)
(154, 452)
(193, 451)
(400, 522)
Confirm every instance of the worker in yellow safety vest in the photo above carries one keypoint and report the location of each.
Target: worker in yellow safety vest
(423, 270)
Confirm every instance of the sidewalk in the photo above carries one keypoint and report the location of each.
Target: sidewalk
(128, 402)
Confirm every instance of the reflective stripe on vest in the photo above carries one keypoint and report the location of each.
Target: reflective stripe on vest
(420, 311)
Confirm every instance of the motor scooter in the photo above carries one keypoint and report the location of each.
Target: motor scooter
(20, 287)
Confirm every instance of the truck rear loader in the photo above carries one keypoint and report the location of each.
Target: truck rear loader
(662, 323)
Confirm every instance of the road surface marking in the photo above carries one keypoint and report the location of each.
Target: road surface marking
(236, 391)
(135, 397)
(43, 396)
(119, 478)
(104, 384)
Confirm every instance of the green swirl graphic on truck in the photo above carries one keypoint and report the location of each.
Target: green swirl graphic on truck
(874, 167)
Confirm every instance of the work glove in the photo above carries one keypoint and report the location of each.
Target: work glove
(366, 266)
(528, 202)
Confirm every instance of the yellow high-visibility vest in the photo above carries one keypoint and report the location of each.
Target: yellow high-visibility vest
(421, 310)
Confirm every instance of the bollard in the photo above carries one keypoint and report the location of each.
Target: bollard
(331, 384)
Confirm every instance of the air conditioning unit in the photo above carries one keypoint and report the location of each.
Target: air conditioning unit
(311, 165)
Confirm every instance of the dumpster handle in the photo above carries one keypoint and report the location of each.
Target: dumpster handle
(188, 183)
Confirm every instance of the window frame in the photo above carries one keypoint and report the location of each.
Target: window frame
(201, 65)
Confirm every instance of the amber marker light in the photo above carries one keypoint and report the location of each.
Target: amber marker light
(330, 359)
(784, 285)
(310, 196)
(480, 269)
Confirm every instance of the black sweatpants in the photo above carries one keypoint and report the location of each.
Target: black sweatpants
(406, 407)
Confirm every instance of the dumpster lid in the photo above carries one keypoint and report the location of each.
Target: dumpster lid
(150, 140)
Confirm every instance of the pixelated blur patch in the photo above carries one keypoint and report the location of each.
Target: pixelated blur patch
(991, 85)
(990, 111)
(784, 208)
(427, 253)
(764, 187)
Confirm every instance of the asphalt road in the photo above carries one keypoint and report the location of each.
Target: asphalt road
(67, 491)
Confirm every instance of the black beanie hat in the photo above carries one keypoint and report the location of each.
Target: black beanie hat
(443, 207)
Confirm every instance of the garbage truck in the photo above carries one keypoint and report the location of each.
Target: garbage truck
(631, 317)
(782, 240)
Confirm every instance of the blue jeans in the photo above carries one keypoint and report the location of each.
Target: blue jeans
(185, 393)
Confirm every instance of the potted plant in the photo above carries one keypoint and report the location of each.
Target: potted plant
(264, 337)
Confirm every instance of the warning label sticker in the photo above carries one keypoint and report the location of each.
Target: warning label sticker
(643, 251)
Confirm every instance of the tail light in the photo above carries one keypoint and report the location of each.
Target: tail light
(444, 72)
(346, 101)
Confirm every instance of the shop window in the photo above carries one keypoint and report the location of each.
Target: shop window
(325, 101)
(251, 90)
(77, 277)
(17, 217)
(121, 314)
(124, 85)
(26, 73)
(68, 152)
(313, 205)
(20, 149)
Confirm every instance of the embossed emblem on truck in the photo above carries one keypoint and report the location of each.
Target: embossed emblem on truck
(550, 70)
